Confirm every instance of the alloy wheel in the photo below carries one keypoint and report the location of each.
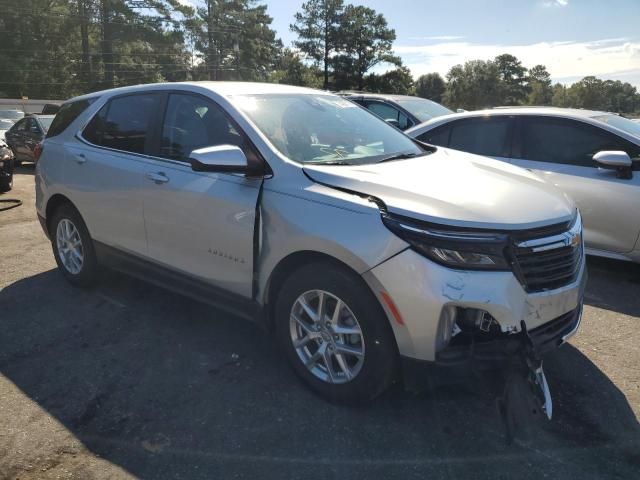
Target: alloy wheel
(69, 246)
(327, 337)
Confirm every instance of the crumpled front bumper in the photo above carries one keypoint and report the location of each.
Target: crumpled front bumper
(420, 289)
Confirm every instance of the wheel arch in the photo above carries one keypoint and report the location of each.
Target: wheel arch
(291, 263)
(55, 202)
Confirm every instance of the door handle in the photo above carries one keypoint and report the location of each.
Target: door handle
(80, 158)
(157, 177)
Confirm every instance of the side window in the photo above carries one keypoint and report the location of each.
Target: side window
(66, 115)
(568, 142)
(193, 122)
(32, 126)
(483, 136)
(20, 126)
(438, 136)
(387, 112)
(124, 123)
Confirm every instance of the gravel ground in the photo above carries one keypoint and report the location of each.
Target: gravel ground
(131, 381)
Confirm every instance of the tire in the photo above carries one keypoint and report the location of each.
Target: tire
(6, 184)
(370, 373)
(81, 273)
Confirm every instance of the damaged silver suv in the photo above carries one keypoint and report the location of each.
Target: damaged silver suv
(363, 250)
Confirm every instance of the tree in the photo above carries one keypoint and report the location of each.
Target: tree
(560, 97)
(540, 91)
(513, 79)
(472, 86)
(398, 81)
(365, 40)
(317, 29)
(234, 39)
(431, 86)
(291, 70)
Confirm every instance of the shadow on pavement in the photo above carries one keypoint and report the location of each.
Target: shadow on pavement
(168, 388)
(613, 285)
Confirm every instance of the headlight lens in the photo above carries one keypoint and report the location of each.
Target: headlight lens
(456, 248)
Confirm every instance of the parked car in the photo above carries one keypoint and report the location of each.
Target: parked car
(26, 136)
(13, 115)
(50, 108)
(402, 111)
(592, 156)
(6, 167)
(359, 247)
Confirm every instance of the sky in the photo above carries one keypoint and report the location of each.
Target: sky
(573, 38)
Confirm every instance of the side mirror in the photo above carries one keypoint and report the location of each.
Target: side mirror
(617, 160)
(392, 121)
(460, 110)
(221, 158)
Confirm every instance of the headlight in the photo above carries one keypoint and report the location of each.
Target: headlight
(453, 247)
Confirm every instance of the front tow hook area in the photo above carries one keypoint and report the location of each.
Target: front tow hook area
(526, 391)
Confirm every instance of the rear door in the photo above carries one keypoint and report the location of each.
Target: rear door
(105, 171)
(33, 135)
(490, 136)
(560, 150)
(15, 139)
(200, 223)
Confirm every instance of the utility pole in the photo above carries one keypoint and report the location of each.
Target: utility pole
(212, 56)
(87, 77)
(107, 43)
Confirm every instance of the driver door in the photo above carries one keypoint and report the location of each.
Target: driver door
(201, 224)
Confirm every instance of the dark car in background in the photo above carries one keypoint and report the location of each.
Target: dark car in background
(6, 167)
(25, 136)
(402, 111)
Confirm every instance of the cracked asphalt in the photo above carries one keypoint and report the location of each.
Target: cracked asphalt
(131, 381)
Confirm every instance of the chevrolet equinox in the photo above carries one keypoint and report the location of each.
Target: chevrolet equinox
(364, 251)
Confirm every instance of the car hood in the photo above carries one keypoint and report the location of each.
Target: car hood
(454, 188)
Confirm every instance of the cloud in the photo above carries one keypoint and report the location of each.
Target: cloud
(555, 3)
(605, 58)
(438, 37)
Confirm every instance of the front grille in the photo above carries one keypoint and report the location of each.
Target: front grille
(549, 262)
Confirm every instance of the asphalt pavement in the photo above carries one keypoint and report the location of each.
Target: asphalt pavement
(128, 380)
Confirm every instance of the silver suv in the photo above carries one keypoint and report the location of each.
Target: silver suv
(363, 250)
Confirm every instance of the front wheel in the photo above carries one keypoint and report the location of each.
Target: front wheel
(335, 334)
(73, 247)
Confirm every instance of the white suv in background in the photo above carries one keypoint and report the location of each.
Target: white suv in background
(594, 157)
(297, 208)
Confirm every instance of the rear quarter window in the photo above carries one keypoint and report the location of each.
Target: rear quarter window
(66, 115)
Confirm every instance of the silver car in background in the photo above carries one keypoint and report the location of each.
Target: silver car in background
(360, 248)
(592, 156)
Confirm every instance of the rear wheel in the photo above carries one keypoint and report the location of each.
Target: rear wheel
(335, 334)
(6, 183)
(72, 246)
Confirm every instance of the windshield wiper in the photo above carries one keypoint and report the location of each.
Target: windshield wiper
(399, 156)
(328, 162)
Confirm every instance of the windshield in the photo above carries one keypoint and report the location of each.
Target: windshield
(11, 114)
(422, 108)
(624, 124)
(46, 122)
(324, 129)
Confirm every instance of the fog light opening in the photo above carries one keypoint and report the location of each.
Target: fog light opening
(447, 327)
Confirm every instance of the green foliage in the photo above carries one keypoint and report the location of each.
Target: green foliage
(398, 81)
(513, 80)
(317, 26)
(474, 85)
(291, 70)
(431, 86)
(365, 41)
(540, 91)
